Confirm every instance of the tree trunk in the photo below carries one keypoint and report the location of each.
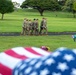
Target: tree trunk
(74, 15)
(41, 11)
(2, 16)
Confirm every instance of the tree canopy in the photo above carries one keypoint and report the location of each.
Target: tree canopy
(6, 6)
(61, 2)
(41, 5)
(70, 5)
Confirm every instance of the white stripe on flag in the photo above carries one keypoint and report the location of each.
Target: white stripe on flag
(40, 51)
(8, 61)
(22, 51)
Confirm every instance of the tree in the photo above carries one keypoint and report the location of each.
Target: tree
(6, 6)
(70, 5)
(41, 5)
(74, 8)
(61, 2)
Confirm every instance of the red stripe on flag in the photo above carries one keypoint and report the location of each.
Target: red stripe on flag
(13, 54)
(32, 51)
(5, 70)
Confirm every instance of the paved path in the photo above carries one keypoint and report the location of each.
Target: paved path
(49, 33)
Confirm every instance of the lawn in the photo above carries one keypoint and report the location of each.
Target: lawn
(13, 23)
(53, 42)
(63, 22)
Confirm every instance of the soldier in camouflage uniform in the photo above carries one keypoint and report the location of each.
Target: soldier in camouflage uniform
(43, 26)
(23, 26)
(36, 27)
(33, 27)
(30, 26)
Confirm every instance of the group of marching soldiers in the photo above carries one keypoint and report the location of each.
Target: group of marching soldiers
(32, 27)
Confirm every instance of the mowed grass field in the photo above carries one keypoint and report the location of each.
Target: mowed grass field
(13, 23)
(63, 22)
(53, 42)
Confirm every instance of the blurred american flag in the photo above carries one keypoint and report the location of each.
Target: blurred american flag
(10, 58)
(60, 62)
(35, 61)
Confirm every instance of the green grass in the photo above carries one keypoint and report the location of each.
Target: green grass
(51, 41)
(63, 22)
(13, 23)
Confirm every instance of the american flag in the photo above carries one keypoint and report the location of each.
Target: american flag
(10, 58)
(60, 62)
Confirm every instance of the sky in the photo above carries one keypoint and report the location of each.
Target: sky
(18, 1)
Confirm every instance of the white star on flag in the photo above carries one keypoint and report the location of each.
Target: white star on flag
(38, 64)
(55, 54)
(68, 57)
(74, 50)
(16, 72)
(62, 66)
(28, 69)
(23, 66)
(73, 72)
(49, 61)
(34, 73)
(44, 72)
(32, 62)
(56, 73)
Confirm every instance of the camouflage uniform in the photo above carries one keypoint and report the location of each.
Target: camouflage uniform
(33, 27)
(23, 26)
(43, 26)
(30, 26)
(36, 27)
(27, 27)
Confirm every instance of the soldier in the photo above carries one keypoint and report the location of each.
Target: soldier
(27, 27)
(23, 26)
(30, 26)
(45, 26)
(36, 27)
(41, 26)
(33, 27)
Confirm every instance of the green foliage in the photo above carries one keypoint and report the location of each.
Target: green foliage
(61, 2)
(6, 6)
(44, 4)
(70, 5)
(41, 5)
(74, 6)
